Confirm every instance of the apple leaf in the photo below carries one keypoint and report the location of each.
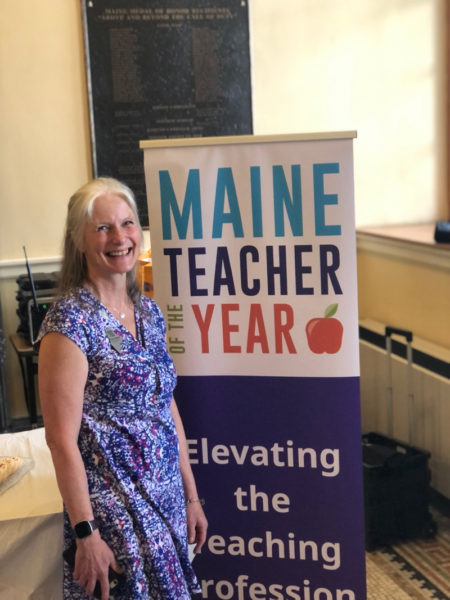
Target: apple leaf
(331, 310)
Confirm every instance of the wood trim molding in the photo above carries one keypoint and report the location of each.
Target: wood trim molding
(11, 269)
(414, 243)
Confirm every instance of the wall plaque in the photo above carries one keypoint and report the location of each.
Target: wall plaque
(163, 69)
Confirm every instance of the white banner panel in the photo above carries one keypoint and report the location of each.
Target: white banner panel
(233, 223)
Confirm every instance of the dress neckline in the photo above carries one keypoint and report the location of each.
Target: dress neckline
(139, 338)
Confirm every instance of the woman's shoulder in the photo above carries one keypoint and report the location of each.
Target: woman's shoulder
(150, 307)
(73, 302)
(148, 304)
(68, 315)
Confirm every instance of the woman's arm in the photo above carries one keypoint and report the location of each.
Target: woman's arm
(196, 520)
(62, 373)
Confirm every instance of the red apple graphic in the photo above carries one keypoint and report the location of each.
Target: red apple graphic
(325, 334)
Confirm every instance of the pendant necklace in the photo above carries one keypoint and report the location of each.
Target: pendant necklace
(122, 315)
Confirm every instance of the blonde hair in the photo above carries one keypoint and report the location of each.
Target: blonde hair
(81, 205)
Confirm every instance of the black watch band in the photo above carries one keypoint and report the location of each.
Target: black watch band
(84, 528)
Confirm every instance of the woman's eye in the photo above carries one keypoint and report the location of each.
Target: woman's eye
(102, 228)
(128, 222)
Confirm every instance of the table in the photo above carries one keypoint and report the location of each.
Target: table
(28, 366)
(31, 523)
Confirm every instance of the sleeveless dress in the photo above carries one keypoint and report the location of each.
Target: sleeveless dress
(129, 447)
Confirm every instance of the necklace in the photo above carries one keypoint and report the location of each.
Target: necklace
(121, 314)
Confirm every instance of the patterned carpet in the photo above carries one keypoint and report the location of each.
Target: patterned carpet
(417, 570)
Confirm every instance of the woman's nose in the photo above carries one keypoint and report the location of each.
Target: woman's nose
(117, 234)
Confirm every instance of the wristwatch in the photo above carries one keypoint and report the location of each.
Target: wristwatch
(84, 528)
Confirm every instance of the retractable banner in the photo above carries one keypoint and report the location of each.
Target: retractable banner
(254, 265)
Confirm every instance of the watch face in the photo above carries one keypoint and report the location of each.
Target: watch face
(83, 529)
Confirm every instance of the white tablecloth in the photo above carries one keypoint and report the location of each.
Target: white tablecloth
(31, 524)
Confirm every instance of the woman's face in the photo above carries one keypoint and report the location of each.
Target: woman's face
(112, 238)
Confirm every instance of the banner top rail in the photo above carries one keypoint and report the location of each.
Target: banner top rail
(245, 139)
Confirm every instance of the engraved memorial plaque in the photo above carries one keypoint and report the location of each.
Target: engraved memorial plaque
(163, 69)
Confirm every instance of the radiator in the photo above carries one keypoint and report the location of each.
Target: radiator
(430, 405)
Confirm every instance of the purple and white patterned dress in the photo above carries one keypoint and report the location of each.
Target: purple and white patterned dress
(129, 446)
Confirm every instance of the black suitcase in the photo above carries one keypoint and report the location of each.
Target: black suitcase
(396, 476)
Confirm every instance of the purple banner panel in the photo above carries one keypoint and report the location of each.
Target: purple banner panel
(279, 462)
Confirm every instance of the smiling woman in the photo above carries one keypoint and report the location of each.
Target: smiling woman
(105, 382)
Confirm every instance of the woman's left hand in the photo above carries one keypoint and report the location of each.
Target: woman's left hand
(197, 525)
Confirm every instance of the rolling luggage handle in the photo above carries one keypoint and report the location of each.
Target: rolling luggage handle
(389, 331)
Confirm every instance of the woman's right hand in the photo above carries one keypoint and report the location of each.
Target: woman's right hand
(92, 561)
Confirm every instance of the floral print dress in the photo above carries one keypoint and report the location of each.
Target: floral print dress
(129, 446)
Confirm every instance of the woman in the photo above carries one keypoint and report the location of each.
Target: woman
(112, 425)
